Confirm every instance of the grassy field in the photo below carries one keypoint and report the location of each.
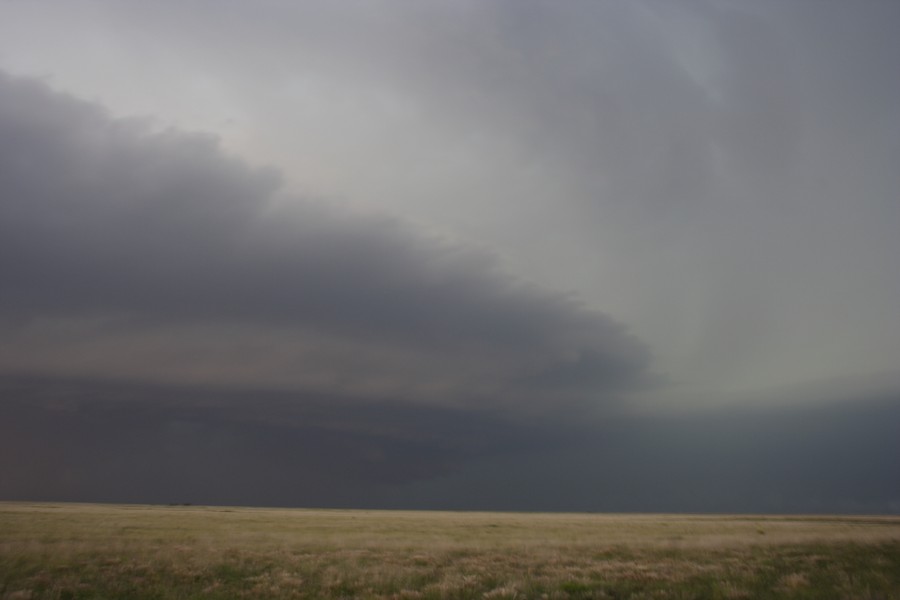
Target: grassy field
(67, 551)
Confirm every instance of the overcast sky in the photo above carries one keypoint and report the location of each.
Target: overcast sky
(581, 255)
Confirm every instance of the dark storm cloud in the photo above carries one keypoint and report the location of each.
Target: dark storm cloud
(720, 175)
(127, 253)
(706, 171)
(109, 233)
(95, 440)
(65, 439)
(842, 457)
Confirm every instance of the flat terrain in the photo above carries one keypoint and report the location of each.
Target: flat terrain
(69, 551)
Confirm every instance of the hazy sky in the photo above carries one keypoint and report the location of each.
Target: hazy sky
(580, 255)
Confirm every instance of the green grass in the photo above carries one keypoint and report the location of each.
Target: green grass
(73, 551)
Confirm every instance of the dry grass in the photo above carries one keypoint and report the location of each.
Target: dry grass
(103, 551)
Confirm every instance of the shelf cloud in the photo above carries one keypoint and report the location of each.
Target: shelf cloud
(619, 255)
(158, 255)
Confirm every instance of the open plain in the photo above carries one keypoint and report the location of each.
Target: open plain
(68, 551)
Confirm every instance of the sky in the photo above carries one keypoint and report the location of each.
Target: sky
(628, 255)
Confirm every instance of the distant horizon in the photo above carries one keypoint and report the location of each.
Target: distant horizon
(100, 503)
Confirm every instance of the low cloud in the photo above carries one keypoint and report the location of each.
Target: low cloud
(840, 457)
(720, 177)
(137, 254)
(176, 328)
(100, 440)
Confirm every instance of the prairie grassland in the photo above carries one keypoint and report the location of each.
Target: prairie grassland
(68, 551)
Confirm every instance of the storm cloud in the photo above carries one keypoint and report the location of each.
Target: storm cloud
(82, 440)
(619, 255)
(155, 255)
(90, 439)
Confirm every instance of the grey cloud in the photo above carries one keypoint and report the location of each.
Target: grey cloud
(114, 232)
(837, 458)
(96, 440)
(100, 441)
(719, 175)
